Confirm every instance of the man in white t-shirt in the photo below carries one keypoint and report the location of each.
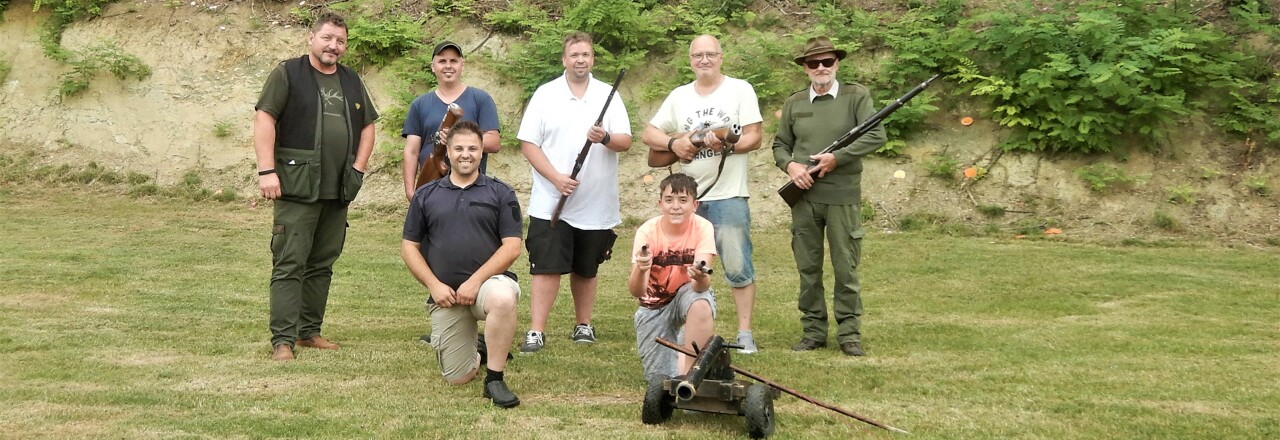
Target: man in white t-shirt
(556, 125)
(714, 100)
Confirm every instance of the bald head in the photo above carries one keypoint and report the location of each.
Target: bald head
(705, 57)
(703, 41)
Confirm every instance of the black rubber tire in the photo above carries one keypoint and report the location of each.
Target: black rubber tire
(658, 404)
(758, 409)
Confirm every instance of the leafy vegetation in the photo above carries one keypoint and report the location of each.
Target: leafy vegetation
(1103, 177)
(380, 40)
(91, 62)
(5, 67)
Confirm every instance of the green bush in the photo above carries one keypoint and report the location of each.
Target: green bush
(1104, 178)
(1258, 184)
(1182, 194)
(942, 167)
(1081, 77)
(1164, 221)
(223, 128)
(4, 65)
(991, 211)
(376, 41)
(89, 63)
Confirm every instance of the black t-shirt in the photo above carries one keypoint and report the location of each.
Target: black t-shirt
(461, 228)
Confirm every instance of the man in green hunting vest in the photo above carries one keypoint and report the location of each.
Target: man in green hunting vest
(312, 136)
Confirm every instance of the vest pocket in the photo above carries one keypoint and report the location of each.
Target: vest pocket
(299, 172)
(352, 180)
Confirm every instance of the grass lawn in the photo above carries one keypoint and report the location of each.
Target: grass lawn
(147, 318)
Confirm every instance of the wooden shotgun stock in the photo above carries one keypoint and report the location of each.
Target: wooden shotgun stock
(729, 134)
(438, 160)
(586, 148)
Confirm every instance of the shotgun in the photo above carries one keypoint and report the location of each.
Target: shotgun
(792, 193)
(729, 134)
(586, 148)
(437, 161)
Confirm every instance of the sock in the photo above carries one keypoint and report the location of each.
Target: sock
(492, 376)
(742, 333)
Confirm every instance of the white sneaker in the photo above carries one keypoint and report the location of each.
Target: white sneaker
(748, 344)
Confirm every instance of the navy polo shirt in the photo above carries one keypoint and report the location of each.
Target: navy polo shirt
(461, 228)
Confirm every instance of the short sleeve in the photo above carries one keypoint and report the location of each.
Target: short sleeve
(487, 117)
(275, 93)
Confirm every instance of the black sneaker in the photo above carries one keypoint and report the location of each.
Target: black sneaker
(533, 341)
(500, 394)
(425, 339)
(584, 334)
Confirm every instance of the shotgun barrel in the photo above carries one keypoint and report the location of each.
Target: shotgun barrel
(792, 193)
(586, 148)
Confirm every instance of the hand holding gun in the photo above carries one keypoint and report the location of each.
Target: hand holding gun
(437, 162)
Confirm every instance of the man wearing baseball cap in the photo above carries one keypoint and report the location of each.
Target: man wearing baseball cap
(811, 120)
(427, 111)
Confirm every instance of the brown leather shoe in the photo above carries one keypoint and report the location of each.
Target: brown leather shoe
(852, 348)
(282, 352)
(318, 342)
(807, 344)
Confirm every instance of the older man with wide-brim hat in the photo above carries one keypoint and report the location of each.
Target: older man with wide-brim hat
(809, 122)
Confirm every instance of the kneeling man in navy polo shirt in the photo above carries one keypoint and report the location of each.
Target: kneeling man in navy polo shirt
(461, 235)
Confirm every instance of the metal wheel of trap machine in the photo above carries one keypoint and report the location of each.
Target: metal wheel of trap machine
(758, 409)
(658, 403)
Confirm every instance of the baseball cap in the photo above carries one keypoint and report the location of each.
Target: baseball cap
(446, 45)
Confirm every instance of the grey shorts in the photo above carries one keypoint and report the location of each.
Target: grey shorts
(658, 361)
(454, 330)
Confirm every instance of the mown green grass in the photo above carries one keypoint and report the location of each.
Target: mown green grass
(130, 317)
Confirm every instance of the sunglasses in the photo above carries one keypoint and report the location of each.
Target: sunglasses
(825, 62)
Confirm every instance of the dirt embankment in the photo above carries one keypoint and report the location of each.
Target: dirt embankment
(208, 65)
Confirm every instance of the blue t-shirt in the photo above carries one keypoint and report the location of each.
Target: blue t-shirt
(427, 111)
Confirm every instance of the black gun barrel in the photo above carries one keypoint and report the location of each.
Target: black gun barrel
(688, 387)
(792, 193)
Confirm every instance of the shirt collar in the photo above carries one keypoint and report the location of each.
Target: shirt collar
(564, 84)
(480, 181)
(834, 92)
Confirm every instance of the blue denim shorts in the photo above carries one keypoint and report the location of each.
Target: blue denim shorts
(732, 221)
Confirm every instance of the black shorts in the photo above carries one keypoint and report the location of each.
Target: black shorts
(564, 249)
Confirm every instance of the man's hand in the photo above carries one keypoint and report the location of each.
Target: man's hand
(684, 148)
(468, 292)
(441, 137)
(269, 185)
(713, 142)
(564, 184)
(596, 135)
(444, 296)
(799, 174)
(825, 163)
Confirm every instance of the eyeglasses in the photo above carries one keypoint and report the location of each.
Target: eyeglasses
(706, 55)
(825, 62)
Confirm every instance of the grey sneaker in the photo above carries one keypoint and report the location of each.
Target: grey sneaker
(533, 341)
(425, 339)
(584, 334)
(748, 344)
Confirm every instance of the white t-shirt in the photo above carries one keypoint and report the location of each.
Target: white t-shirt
(733, 102)
(557, 122)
